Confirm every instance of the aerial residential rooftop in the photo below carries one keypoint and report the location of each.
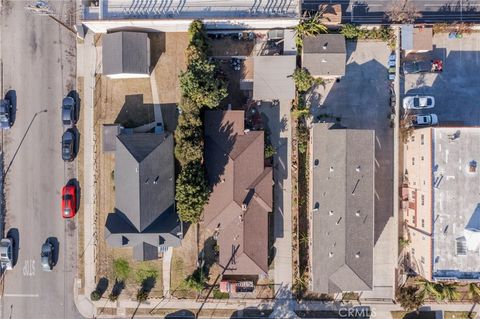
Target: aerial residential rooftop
(342, 188)
(456, 199)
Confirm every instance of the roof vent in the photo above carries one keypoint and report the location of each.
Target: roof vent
(330, 213)
(324, 61)
(316, 162)
(357, 213)
(325, 45)
(156, 180)
(223, 180)
(330, 254)
(358, 168)
(316, 206)
(357, 255)
(244, 207)
(339, 220)
(331, 168)
(146, 181)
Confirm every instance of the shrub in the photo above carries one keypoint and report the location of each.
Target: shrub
(192, 192)
(95, 295)
(146, 272)
(121, 269)
(189, 138)
(196, 281)
(270, 150)
(303, 79)
(409, 298)
(142, 295)
(217, 294)
(113, 297)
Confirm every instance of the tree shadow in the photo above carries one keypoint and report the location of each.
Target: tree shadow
(102, 286)
(118, 287)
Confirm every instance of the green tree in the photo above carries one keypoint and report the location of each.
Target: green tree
(434, 290)
(95, 295)
(121, 269)
(303, 79)
(350, 31)
(269, 151)
(409, 298)
(200, 83)
(189, 138)
(198, 38)
(450, 292)
(309, 27)
(192, 192)
(196, 281)
(474, 292)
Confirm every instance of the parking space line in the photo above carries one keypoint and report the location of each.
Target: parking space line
(21, 295)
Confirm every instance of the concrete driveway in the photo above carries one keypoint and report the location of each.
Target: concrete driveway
(361, 101)
(456, 88)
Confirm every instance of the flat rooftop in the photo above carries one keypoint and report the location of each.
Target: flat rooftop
(456, 196)
(197, 9)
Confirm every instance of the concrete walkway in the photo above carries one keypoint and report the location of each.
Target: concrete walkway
(167, 261)
(89, 64)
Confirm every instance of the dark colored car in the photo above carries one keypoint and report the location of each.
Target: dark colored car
(417, 67)
(68, 112)
(5, 114)
(69, 201)
(68, 145)
(46, 256)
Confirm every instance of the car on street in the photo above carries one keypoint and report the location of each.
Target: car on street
(69, 201)
(46, 256)
(425, 119)
(418, 102)
(5, 114)
(6, 253)
(68, 145)
(68, 112)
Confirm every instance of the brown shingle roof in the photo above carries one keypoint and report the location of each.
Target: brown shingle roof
(235, 169)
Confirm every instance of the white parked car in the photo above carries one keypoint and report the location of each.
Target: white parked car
(425, 119)
(418, 102)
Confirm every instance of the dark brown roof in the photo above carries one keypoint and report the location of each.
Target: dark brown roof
(235, 169)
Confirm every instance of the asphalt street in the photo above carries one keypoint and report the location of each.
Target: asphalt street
(38, 58)
(372, 11)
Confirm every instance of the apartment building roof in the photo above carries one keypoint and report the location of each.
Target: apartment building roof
(456, 202)
(343, 209)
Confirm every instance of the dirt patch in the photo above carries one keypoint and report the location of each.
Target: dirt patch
(168, 60)
(128, 102)
(228, 46)
(184, 264)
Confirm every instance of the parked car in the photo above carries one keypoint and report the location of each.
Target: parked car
(425, 120)
(68, 145)
(422, 66)
(6, 253)
(68, 112)
(418, 102)
(69, 201)
(46, 256)
(5, 114)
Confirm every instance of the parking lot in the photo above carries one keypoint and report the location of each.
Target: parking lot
(361, 101)
(456, 89)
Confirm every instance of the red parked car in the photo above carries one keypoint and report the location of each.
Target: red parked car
(69, 201)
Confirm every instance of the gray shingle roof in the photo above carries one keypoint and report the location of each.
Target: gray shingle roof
(343, 209)
(272, 77)
(126, 52)
(144, 195)
(144, 176)
(325, 55)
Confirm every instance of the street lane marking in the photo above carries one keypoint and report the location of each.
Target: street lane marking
(21, 295)
(29, 268)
